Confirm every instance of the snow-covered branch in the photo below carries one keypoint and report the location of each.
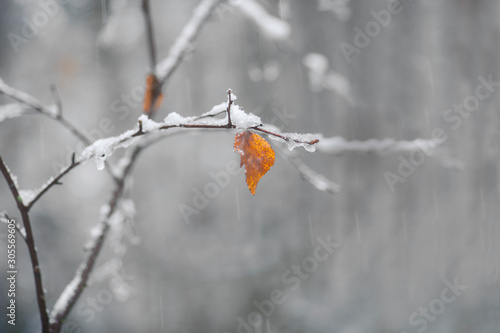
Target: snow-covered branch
(431, 147)
(75, 288)
(12, 110)
(338, 145)
(102, 149)
(178, 51)
(31, 197)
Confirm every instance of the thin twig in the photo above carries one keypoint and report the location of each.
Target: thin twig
(211, 115)
(229, 103)
(57, 100)
(54, 181)
(30, 242)
(155, 85)
(261, 128)
(149, 32)
(32, 102)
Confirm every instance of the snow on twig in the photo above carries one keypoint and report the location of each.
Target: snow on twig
(74, 289)
(102, 149)
(71, 292)
(13, 110)
(338, 145)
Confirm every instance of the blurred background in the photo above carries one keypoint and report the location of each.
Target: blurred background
(422, 256)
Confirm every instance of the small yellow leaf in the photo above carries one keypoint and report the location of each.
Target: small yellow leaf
(256, 154)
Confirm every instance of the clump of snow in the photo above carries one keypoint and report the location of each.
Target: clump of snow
(216, 109)
(12, 110)
(96, 231)
(52, 110)
(148, 125)
(27, 196)
(243, 120)
(270, 26)
(104, 148)
(104, 211)
(175, 119)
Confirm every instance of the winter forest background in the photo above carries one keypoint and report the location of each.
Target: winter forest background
(402, 247)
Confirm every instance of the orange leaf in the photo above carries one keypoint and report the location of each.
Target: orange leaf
(256, 154)
(151, 85)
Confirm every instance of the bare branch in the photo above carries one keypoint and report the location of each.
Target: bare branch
(229, 102)
(149, 32)
(30, 242)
